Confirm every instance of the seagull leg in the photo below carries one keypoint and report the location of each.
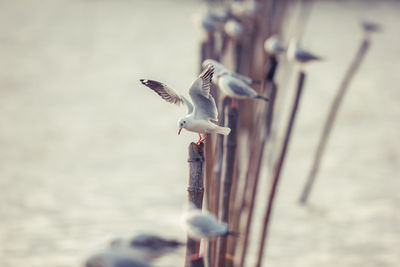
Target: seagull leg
(204, 139)
(233, 104)
(200, 140)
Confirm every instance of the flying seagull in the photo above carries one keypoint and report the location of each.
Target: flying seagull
(203, 109)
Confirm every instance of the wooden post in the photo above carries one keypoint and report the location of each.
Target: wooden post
(278, 168)
(195, 193)
(331, 119)
(226, 193)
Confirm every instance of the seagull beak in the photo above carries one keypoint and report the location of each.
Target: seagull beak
(179, 131)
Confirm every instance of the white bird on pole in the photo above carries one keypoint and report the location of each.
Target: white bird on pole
(203, 110)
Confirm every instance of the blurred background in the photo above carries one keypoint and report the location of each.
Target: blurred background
(87, 153)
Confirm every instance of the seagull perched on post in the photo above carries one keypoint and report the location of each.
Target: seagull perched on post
(202, 224)
(274, 46)
(233, 84)
(146, 246)
(296, 53)
(203, 109)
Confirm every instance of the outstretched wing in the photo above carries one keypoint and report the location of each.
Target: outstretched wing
(204, 103)
(164, 91)
(167, 93)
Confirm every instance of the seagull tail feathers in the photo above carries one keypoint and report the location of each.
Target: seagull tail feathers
(222, 130)
(262, 97)
(232, 233)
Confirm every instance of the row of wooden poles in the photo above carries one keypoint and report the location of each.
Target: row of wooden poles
(226, 170)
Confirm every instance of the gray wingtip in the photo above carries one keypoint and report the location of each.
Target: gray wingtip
(208, 70)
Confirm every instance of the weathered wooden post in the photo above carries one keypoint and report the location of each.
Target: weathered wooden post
(195, 196)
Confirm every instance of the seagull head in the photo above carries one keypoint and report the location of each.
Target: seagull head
(182, 123)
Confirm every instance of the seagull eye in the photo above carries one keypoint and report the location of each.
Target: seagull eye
(184, 121)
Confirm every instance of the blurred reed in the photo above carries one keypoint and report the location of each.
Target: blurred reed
(330, 119)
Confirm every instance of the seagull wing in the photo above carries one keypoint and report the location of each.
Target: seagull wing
(167, 93)
(204, 103)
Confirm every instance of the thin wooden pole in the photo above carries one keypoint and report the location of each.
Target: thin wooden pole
(253, 173)
(217, 178)
(229, 170)
(278, 168)
(195, 192)
(330, 120)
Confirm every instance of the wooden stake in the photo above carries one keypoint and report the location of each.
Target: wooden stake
(229, 169)
(278, 168)
(319, 152)
(195, 192)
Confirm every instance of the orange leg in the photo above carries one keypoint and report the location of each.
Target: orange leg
(200, 140)
(196, 255)
(204, 139)
(233, 104)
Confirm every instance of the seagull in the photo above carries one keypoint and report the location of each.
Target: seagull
(274, 46)
(145, 246)
(234, 29)
(370, 26)
(295, 53)
(202, 224)
(203, 109)
(236, 88)
(111, 258)
(220, 69)
(231, 83)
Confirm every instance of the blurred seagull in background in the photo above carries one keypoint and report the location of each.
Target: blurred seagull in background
(111, 258)
(233, 84)
(234, 29)
(220, 69)
(202, 224)
(203, 109)
(145, 246)
(370, 26)
(211, 20)
(296, 53)
(274, 46)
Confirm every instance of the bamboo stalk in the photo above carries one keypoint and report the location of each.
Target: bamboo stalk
(278, 168)
(330, 120)
(195, 192)
(229, 170)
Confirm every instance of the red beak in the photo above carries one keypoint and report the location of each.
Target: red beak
(179, 132)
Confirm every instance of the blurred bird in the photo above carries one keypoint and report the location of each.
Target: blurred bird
(236, 88)
(274, 46)
(370, 26)
(146, 246)
(202, 112)
(234, 29)
(245, 9)
(211, 20)
(202, 224)
(233, 84)
(296, 53)
(221, 69)
(111, 258)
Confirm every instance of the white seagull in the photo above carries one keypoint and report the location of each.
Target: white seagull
(296, 53)
(220, 69)
(203, 109)
(111, 258)
(233, 84)
(274, 46)
(145, 246)
(202, 224)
